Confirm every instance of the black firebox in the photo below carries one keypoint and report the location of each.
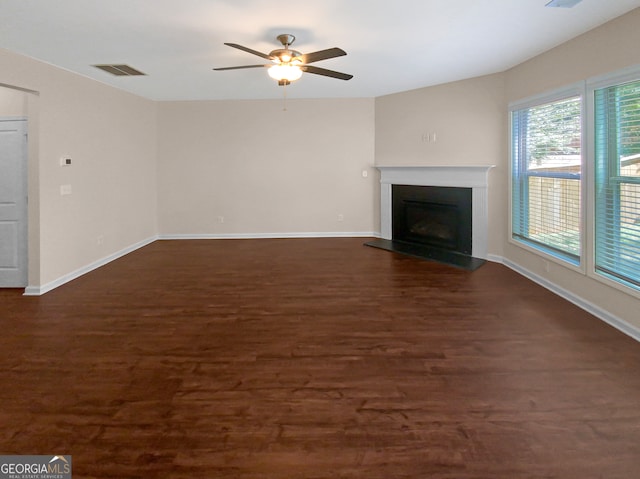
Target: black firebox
(434, 216)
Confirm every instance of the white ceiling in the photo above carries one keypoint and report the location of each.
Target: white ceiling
(391, 45)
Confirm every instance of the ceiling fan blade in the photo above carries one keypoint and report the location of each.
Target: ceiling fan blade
(325, 72)
(249, 50)
(323, 55)
(241, 67)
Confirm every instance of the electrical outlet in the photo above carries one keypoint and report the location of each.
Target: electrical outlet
(340, 217)
(220, 219)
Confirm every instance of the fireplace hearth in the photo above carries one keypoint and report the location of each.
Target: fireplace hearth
(436, 213)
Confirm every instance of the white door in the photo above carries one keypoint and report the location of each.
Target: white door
(13, 203)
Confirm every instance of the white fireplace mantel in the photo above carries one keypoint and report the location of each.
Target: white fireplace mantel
(474, 177)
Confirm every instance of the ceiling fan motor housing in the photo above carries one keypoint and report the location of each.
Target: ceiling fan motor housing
(284, 55)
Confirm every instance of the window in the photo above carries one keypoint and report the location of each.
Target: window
(546, 176)
(617, 182)
(549, 189)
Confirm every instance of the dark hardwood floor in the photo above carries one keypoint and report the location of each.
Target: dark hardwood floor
(314, 358)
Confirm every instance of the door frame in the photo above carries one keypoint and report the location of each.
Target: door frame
(32, 112)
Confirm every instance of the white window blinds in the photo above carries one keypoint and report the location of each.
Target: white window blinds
(546, 177)
(617, 183)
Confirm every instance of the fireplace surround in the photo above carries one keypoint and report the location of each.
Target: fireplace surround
(472, 178)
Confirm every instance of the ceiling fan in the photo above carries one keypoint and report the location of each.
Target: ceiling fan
(287, 65)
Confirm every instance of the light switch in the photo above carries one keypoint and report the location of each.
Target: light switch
(65, 190)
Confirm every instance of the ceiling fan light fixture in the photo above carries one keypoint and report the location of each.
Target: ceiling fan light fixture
(285, 72)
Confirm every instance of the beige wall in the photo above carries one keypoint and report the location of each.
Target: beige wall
(265, 170)
(608, 48)
(469, 120)
(605, 49)
(111, 137)
(13, 103)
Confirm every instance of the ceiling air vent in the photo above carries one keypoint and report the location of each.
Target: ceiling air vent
(120, 70)
(563, 3)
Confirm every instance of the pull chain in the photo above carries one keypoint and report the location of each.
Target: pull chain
(284, 91)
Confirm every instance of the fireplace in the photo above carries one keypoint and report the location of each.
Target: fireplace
(435, 223)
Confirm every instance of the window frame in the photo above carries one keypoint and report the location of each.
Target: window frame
(570, 91)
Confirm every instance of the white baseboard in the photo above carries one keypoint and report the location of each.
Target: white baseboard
(45, 288)
(340, 234)
(495, 259)
(598, 312)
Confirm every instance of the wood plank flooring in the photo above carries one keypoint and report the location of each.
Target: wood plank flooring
(314, 358)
